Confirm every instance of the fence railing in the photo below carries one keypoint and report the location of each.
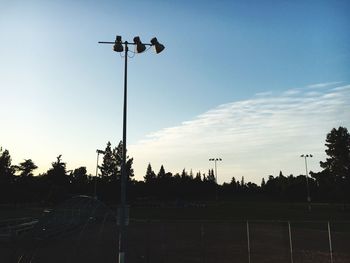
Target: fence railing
(238, 241)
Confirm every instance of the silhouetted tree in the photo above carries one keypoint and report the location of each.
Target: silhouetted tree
(112, 162)
(79, 175)
(198, 178)
(334, 180)
(58, 174)
(26, 168)
(211, 176)
(161, 173)
(6, 169)
(107, 167)
(150, 175)
(338, 151)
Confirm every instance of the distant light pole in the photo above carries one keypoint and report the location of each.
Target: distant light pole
(307, 180)
(98, 154)
(120, 46)
(216, 171)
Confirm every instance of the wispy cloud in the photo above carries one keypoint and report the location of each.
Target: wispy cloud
(324, 84)
(255, 137)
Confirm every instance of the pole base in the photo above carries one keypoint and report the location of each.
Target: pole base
(121, 258)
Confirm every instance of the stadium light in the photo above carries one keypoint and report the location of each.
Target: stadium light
(120, 46)
(305, 156)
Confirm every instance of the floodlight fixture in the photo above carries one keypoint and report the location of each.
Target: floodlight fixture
(157, 46)
(118, 44)
(140, 47)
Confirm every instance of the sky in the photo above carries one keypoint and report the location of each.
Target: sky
(256, 83)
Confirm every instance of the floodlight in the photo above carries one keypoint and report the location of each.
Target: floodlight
(118, 45)
(100, 152)
(140, 47)
(157, 46)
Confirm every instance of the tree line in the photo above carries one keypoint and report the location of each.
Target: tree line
(19, 185)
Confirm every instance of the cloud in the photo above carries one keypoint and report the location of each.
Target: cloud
(255, 137)
(324, 84)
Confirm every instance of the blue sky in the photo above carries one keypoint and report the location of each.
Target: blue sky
(238, 63)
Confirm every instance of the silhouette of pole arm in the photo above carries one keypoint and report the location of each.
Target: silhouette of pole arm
(125, 42)
(122, 46)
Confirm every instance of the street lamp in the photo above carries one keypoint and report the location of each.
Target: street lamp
(216, 171)
(307, 179)
(98, 154)
(120, 46)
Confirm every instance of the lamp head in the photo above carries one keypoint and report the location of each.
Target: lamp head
(157, 46)
(140, 47)
(118, 45)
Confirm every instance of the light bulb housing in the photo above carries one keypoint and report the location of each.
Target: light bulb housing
(158, 47)
(140, 47)
(118, 44)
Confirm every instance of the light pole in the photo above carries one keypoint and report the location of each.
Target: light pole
(120, 46)
(216, 171)
(216, 176)
(307, 180)
(98, 154)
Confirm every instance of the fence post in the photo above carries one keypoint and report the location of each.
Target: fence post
(148, 240)
(248, 242)
(290, 243)
(330, 242)
(202, 243)
(163, 243)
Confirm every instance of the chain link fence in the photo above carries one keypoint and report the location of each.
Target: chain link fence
(238, 241)
(85, 230)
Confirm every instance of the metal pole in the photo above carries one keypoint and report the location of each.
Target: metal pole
(248, 241)
(122, 232)
(95, 193)
(290, 243)
(216, 172)
(202, 251)
(307, 185)
(330, 242)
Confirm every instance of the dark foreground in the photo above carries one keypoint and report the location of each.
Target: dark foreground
(86, 231)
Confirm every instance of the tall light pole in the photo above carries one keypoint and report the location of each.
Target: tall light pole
(120, 46)
(305, 156)
(216, 171)
(98, 154)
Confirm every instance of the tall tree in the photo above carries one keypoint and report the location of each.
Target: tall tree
(161, 173)
(211, 176)
(6, 169)
(26, 168)
(112, 162)
(107, 167)
(118, 157)
(338, 151)
(58, 174)
(150, 175)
